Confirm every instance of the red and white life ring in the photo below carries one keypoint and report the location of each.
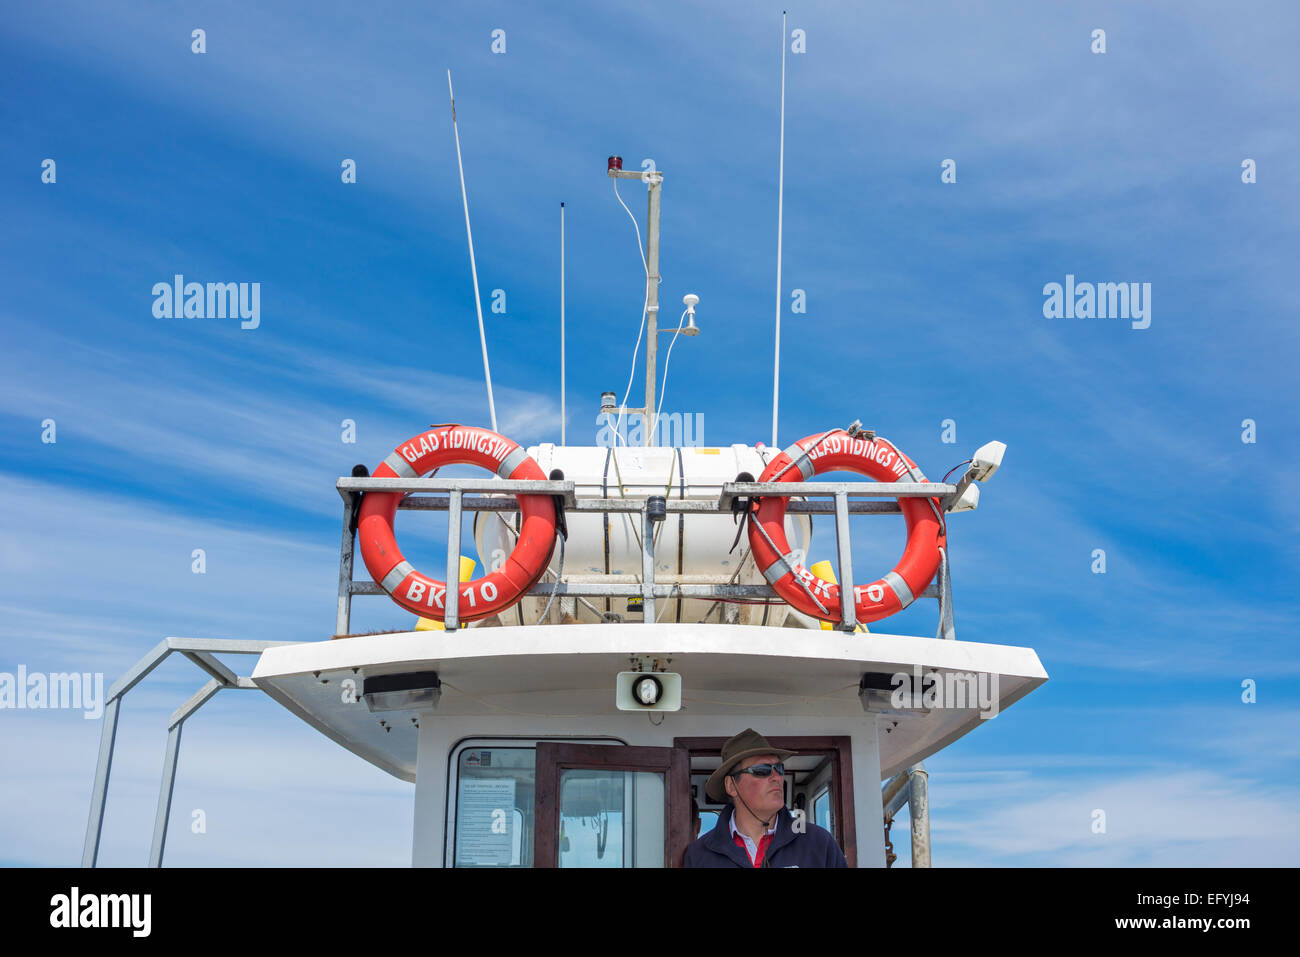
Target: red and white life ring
(878, 459)
(499, 589)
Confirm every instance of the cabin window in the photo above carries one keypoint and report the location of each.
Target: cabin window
(822, 813)
(707, 820)
(611, 819)
(494, 801)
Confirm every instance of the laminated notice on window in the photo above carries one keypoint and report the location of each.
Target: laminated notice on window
(485, 818)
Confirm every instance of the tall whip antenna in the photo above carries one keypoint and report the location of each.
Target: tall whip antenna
(478, 305)
(563, 417)
(780, 214)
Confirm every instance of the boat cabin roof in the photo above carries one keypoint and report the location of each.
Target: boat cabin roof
(518, 676)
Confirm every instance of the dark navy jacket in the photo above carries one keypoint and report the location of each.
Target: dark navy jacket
(813, 848)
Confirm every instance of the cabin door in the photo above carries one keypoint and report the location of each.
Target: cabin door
(611, 806)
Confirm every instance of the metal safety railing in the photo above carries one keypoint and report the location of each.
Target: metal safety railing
(910, 788)
(201, 651)
(456, 496)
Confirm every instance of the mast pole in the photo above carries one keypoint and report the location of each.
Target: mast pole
(654, 179)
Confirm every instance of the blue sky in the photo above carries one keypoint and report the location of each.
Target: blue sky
(924, 304)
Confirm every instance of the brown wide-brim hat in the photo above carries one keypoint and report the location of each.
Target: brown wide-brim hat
(749, 743)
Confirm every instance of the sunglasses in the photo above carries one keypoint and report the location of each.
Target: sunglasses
(763, 770)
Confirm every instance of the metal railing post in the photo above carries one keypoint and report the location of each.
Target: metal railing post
(99, 791)
(647, 565)
(918, 806)
(451, 613)
(947, 629)
(165, 796)
(848, 612)
(343, 619)
(228, 679)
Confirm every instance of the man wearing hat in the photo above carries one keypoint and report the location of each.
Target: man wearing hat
(755, 829)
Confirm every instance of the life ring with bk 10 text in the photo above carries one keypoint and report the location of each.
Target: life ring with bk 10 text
(495, 591)
(875, 458)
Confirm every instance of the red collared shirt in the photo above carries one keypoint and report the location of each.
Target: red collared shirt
(755, 852)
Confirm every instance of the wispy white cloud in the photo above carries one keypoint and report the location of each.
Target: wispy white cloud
(1188, 817)
(269, 431)
(100, 574)
(273, 792)
(1181, 784)
(1181, 819)
(93, 582)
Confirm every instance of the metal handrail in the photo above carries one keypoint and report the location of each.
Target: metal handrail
(201, 652)
(455, 501)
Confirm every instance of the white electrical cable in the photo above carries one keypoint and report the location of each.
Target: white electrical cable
(645, 305)
(635, 225)
(663, 389)
(556, 586)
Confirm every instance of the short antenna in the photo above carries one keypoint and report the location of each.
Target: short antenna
(478, 305)
(563, 417)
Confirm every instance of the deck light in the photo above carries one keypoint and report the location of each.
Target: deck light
(608, 402)
(876, 692)
(417, 691)
(970, 499)
(986, 460)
